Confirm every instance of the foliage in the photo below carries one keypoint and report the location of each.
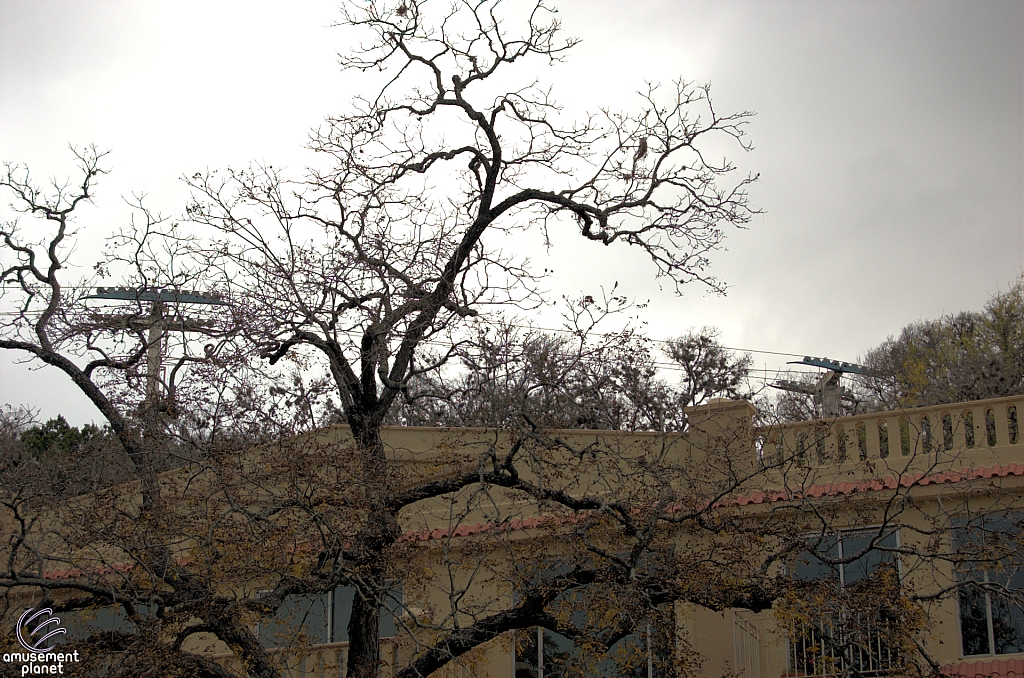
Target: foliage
(708, 369)
(972, 355)
(56, 437)
(968, 356)
(384, 263)
(871, 626)
(58, 460)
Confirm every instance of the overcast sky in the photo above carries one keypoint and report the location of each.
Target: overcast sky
(888, 139)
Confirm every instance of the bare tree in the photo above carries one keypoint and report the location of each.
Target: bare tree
(382, 267)
(114, 359)
(394, 244)
(45, 322)
(377, 271)
(513, 375)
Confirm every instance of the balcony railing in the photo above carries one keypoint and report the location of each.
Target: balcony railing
(842, 646)
(914, 439)
(321, 661)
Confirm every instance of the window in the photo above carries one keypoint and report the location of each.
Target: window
(645, 653)
(96, 622)
(844, 638)
(322, 619)
(810, 566)
(545, 654)
(990, 623)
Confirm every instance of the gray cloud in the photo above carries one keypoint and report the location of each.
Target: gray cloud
(888, 138)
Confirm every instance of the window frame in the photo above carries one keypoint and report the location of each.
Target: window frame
(874, 657)
(1015, 517)
(389, 614)
(540, 633)
(647, 631)
(866, 530)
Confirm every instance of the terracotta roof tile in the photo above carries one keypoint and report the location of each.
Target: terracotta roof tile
(992, 668)
(875, 484)
(755, 497)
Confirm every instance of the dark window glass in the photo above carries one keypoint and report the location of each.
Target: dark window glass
(646, 653)
(810, 566)
(526, 654)
(990, 623)
(1007, 618)
(628, 658)
(82, 625)
(343, 597)
(309, 614)
(297, 615)
(974, 621)
(842, 643)
(558, 653)
(867, 564)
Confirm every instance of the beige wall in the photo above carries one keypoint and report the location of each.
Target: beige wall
(833, 456)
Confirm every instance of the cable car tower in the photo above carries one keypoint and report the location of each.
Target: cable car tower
(156, 323)
(827, 391)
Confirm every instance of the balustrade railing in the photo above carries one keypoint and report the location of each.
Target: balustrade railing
(915, 438)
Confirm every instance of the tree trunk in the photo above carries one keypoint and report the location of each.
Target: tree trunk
(380, 531)
(364, 627)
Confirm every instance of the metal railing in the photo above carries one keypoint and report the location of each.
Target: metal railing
(844, 646)
(832, 648)
(748, 645)
(328, 660)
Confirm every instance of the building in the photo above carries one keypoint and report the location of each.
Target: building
(930, 496)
